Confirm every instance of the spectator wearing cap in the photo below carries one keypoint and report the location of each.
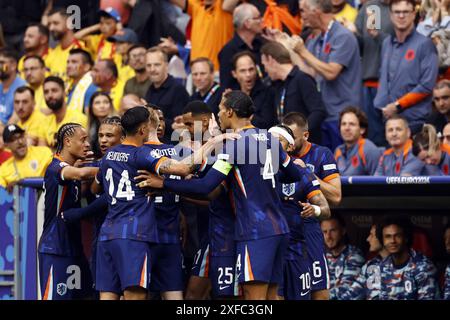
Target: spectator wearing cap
(35, 43)
(140, 83)
(26, 161)
(409, 69)
(59, 27)
(399, 159)
(54, 95)
(98, 45)
(206, 89)
(335, 60)
(106, 77)
(440, 114)
(212, 26)
(357, 156)
(296, 91)
(165, 92)
(248, 26)
(34, 70)
(30, 117)
(81, 87)
(9, 82)
(263, 96)
(124, 39)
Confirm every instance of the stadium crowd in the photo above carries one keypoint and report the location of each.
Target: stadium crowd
(346, 88)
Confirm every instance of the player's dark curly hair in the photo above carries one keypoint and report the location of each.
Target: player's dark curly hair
(114, 121)
(403, 222)
(241, 103)
(67, 130)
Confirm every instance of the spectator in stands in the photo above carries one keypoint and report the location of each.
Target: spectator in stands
(370, 40)
(446, 294)
(295, 90)
(405, 274)
(55, 98)
(344, 260)
(335, 59)
(398, 160)
(34, 71)
(248, 27)
(31, 119)
(358, 156)
(245, 71)
(26, 161)
(427, 148)
(446, 134)
(140, 83)
(440, 115)
(367, 285)
(58, 26)
(129, 101)
(409, 69)
(100, 107)
(344, 12)
(105, 76)
(123, 40)
(9, 82)
(212, 26)
(165, 91)
(206, 89)
(436, 16)
(35, 43)
(81, 87)
(98, 45)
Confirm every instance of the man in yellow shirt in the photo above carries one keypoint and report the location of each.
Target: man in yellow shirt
(31, 119)
(58, 25)
(34, 71)
(124, 40)
(55, 98)
(105, 76)
(99, 45)
(26, 162)
(35, 43)
(343, 11)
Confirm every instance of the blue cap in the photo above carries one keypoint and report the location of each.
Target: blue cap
(110, 12)
(124, 35)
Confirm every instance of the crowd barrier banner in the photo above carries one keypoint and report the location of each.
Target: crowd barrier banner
(6, 245)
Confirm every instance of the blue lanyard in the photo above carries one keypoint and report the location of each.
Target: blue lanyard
(280, 110)
(327, 33)
(210, 93)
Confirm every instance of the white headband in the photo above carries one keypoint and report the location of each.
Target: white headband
(282, 132)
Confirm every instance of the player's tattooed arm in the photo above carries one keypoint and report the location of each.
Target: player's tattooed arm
(317, 200)
(331, 190)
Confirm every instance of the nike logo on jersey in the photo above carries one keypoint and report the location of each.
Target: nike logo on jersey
(223, 287)
(316, 282)
(304, 293)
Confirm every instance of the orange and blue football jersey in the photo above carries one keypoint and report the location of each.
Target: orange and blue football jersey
(59, 237)
(165, 205)
(129, 215)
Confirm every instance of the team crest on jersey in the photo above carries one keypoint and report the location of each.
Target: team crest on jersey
(63, 164)
(310, 166)
(288, 189)
(34, 165)
(155, 154)
(61, 289)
